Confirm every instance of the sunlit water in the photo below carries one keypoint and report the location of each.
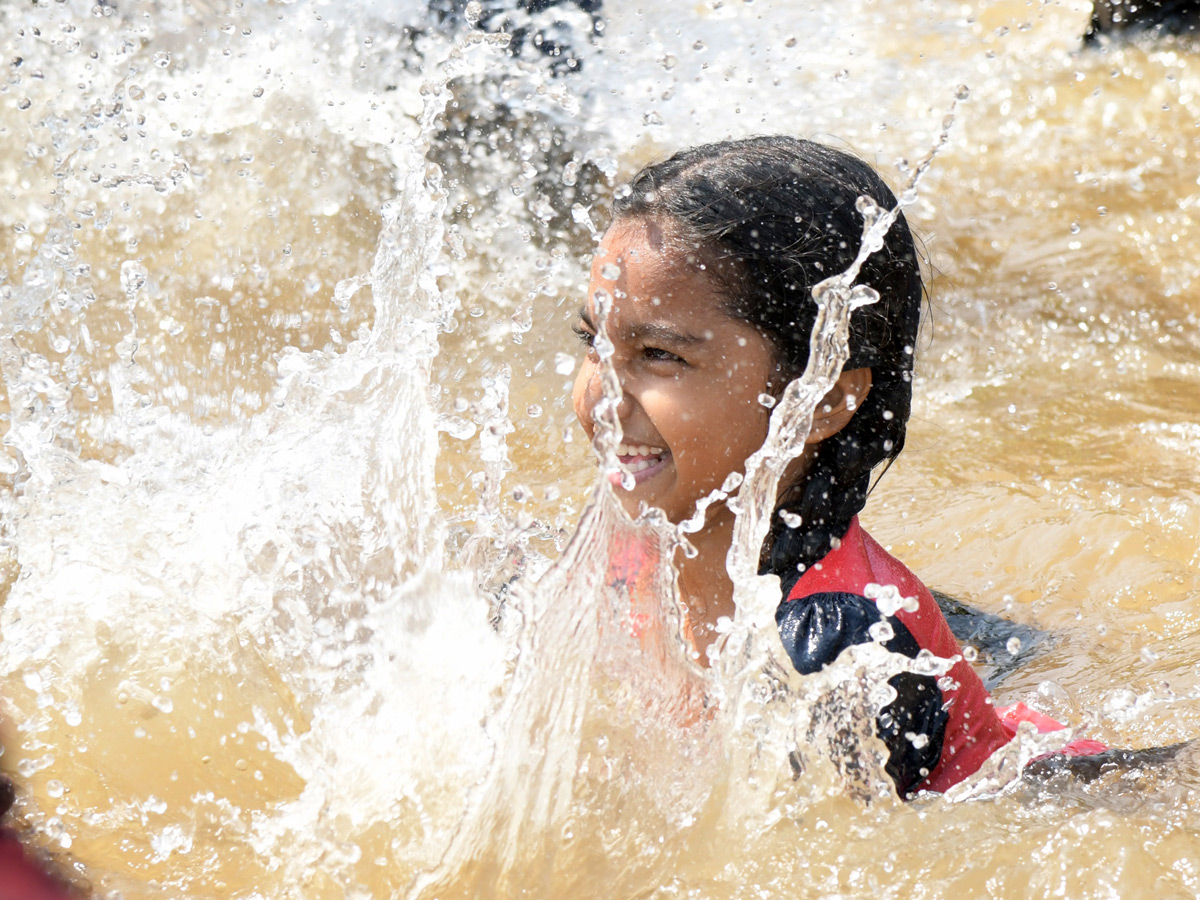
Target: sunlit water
(286, 408)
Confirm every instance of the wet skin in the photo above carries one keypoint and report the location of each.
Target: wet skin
(691, 377)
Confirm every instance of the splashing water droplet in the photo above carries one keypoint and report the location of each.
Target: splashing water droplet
(766, 401)
(889, 599)
(581, 215)
(133, 277)
(344, 292)
(457, 427)
(862, 295)
(962, 92)
(868, 208)
(564, 363)
(610, 271)
(522, 322)
(881, 632)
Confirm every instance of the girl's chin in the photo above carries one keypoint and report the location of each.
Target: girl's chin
(633, 500)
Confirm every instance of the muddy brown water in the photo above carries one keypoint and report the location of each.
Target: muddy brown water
(241, 655)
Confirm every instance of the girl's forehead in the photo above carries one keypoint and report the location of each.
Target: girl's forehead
(655, 300)
(634, 233)
(639, 253)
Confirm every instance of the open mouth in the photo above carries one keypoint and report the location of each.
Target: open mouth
(642, 461)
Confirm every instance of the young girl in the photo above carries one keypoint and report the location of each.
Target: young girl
(710, 261)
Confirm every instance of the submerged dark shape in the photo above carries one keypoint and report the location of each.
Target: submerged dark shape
(1156, 18)
(1095, 766)
(499, 136)
(545, 25)
(23, 876)
(994, 637)
(8, 794)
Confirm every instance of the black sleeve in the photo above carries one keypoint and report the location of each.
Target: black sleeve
(815, 629)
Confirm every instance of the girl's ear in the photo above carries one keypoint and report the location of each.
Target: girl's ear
(837, 407)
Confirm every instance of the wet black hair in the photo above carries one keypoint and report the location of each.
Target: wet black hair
(769, 218)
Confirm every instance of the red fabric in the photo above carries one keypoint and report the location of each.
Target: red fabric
(1012, 716)
(974, 730)
(20, 877)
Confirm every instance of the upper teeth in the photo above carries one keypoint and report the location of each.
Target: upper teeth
(637, 450)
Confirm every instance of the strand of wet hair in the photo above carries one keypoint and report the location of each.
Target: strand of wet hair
(812, 517)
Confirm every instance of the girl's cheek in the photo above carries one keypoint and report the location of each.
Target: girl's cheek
(579, 396)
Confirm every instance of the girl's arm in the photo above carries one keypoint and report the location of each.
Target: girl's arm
(816, 628)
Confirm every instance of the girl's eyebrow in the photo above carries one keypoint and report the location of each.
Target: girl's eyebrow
(651, 331)
(662, 334)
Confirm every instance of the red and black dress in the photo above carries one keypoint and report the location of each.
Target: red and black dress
(825, 610)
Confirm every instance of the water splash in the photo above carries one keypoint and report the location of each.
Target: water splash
(234, 549)
(244, 589)
(756, 680)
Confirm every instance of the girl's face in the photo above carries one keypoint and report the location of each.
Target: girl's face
(690, 375)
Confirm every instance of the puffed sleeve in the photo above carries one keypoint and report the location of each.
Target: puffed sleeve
(816, 628)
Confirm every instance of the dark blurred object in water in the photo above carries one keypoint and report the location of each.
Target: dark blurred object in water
(1090, 768)
(1003, 645)
(8, 794)
(553, 27)
(22, 879)
(22, 876)
(1111, 18)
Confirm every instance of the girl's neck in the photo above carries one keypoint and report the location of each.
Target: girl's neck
(704, 582)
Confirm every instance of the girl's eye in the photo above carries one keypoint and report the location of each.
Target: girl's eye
(657, 354)
(585, 336)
